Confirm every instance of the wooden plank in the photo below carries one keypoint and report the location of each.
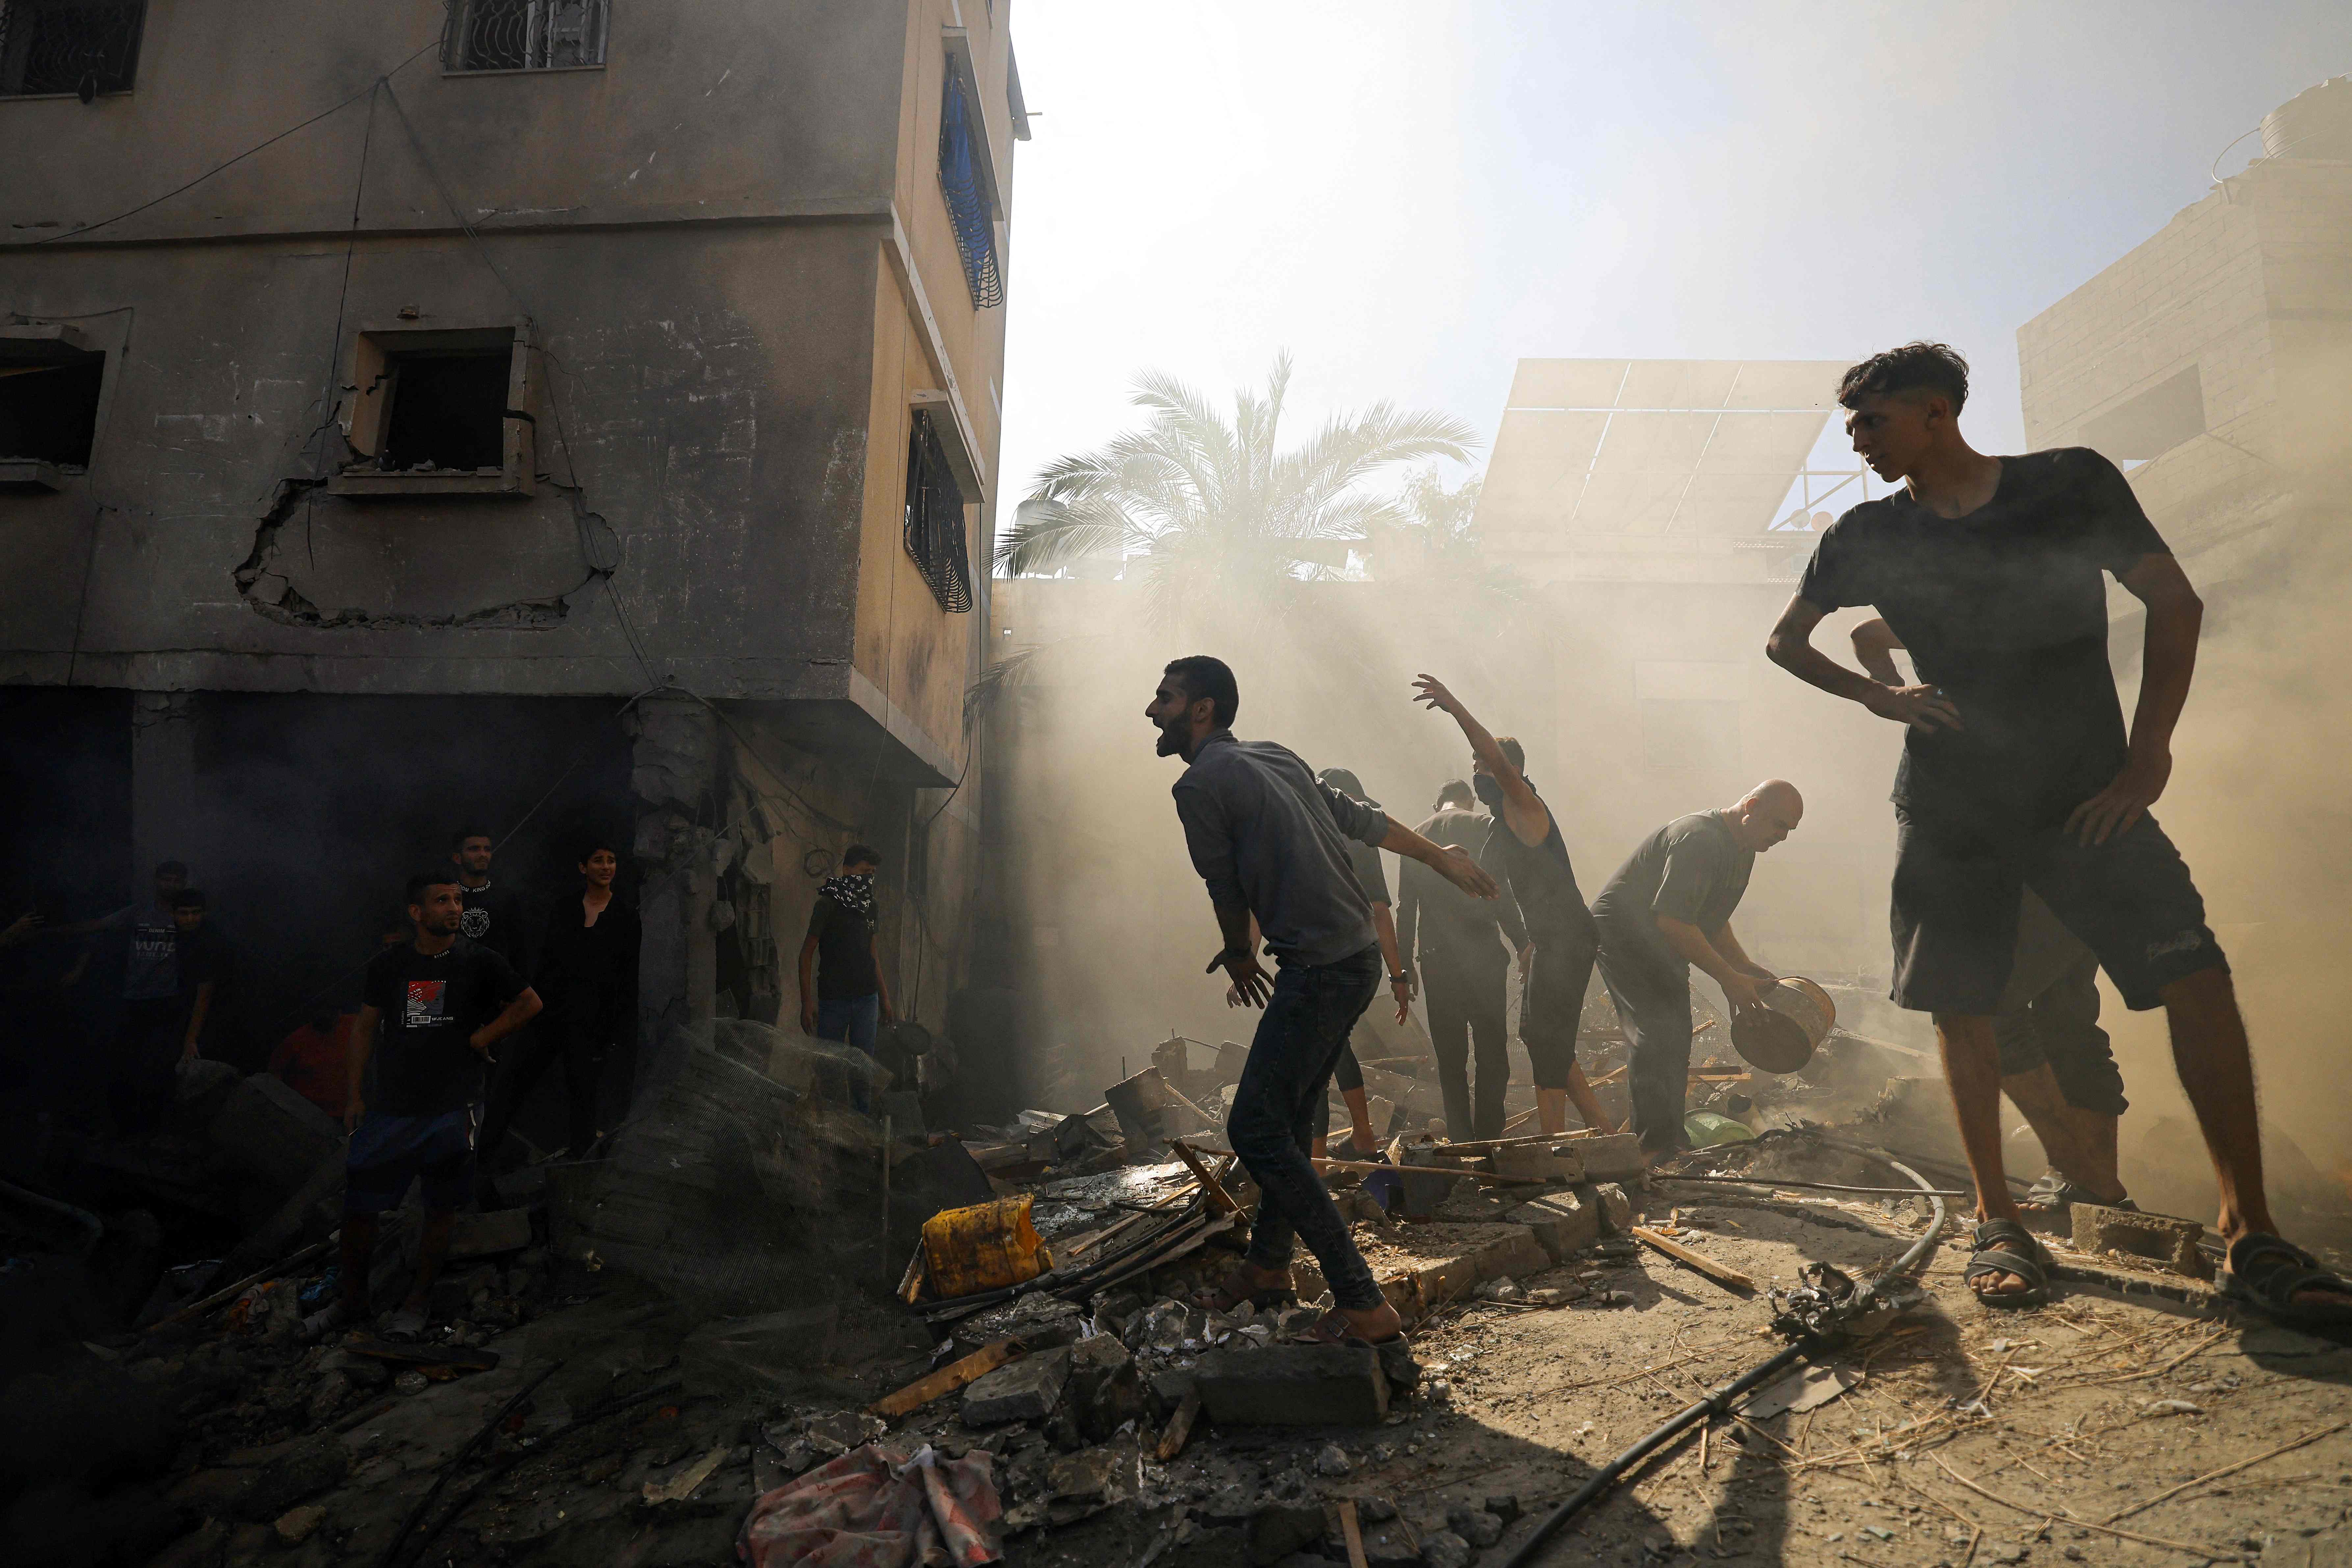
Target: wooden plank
(1179, 1428)
(1219, 1199)
(911, 1284)
(1722, 1274)
(1351, 1530)
(947, 1379)
(1367, 1167)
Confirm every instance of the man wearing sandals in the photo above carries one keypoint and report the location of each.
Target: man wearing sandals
(1271, 842)
(2018, 771)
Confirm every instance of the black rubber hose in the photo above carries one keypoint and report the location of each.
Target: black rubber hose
(1720, 1399)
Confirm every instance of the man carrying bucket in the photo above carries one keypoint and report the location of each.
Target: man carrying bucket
(1669, 907)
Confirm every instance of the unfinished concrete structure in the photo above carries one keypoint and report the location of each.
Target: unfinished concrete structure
(570, 414)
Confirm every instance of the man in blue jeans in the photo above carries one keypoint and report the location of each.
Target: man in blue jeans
(843, 995)
(1271, 842)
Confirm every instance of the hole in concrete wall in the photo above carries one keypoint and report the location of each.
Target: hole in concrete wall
(48, 412)
(2152, 423)
(446, 410)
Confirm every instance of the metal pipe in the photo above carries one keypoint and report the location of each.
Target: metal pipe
(1815, 1186)
(1719, 1401)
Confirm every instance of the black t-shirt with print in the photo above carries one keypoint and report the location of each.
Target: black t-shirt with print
(2006, 610)
(494, 919)
(428, 1007)
(844, 952)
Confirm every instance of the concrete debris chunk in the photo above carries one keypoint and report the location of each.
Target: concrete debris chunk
(1040, 1322)
(1616, 1208)
(1503, 1289)
(2160, 1238)
(1293, 1385)
(1474, 1525)
(1029, 1389)
(773, 1352)
(1444, 1550)
(1504, 1508)
(487, 1235)
(1511, 1255)
(1561, 1222)
(1611, 1157)
(1106, 1391)
(1332, 1460)
(1280, 1528)
(297, 1525)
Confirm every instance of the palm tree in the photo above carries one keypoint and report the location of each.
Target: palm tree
(1210, 507)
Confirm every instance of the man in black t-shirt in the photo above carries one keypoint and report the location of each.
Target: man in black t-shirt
(1464, 947)
(493, 917)
(439, 1002)
(1668, 909)
(2018, 771)
(843, 995)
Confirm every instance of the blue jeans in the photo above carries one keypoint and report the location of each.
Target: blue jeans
(1278, 1107)
(853, 1022)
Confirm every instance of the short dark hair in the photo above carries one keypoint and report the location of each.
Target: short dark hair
(1456, 789)
(1202, 675)
(171, 868)
(457, 839)
(188, 898)
(1913, 367)
(1516, 754)
(608, 843)
(424, 880)
(861, 854)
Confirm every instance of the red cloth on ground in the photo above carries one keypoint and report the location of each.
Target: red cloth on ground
(316, 1066)
(879, 1507)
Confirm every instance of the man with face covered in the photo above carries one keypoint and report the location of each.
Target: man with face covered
(1270, 841)
(1527, 848)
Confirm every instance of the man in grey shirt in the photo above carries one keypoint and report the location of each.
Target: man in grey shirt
(1465, 957)
(1669, 907)
(1271, 842)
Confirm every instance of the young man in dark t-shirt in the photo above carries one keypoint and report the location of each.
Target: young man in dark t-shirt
(843, 995)
(2018, 771)
(1667, 909)
(439, 1002)
(493, 917)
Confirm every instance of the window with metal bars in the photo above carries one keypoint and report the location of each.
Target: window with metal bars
(525, 34)
(82, 47)
(935, 518)
(963, 182)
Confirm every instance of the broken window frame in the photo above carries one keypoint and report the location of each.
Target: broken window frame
(937, 513)
(108, 68)
(461, 43)
(34, 346)
(372, 388)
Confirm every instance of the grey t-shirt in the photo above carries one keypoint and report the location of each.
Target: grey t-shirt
(1691, 869)
(150, 970)
(1265, 833)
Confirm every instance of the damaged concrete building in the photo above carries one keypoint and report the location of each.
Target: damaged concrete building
(554, 417)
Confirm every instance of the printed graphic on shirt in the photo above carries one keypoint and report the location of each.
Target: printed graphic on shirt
(153, 944)
(427, 1004)
(475, 923)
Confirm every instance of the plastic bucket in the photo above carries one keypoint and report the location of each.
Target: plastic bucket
(1783, 1034)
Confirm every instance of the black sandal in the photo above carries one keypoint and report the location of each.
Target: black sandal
(2005, 1246)
(2263, 1272)
(2051, 1200)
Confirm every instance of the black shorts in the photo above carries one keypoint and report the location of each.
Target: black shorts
(1956, 891)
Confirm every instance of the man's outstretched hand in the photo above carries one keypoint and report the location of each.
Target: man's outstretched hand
(2117, 808)
(1457, 866)
(1251, 985)
(1430, 689)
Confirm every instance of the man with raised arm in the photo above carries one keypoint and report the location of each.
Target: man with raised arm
(2018, 771)
(1667, 911)
(1527, 850)
(1464, 948)
(1271, 842)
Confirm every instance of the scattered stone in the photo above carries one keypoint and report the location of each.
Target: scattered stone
(1554, 1294)
(1474, 1525)
(1375, 1510)
(1107, 1474)
(1561, 1222)
(1614, 1299)
(297, 1525)
(1333, 1461)
(1029, 1389)
(1504, 1290)
(1616, 1208)
(1293, 1385)
(1444, 1550)
(1504, 1508)
(1277, 1530)
(2172, 1407)
(1437, 1390)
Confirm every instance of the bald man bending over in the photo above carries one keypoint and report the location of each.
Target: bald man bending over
(1668, 907)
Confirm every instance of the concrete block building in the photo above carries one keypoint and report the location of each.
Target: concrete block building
(563, 417)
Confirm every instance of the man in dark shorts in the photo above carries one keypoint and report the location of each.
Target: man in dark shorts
(2057, 1065)
(1270, 841)
(2018, 771)
(1528, 851)
(1464, 947)
(1668, 909)
(439, 1002)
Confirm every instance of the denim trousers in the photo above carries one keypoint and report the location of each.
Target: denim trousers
(1653, 1004)
(853, 1022)
(1278, 1107)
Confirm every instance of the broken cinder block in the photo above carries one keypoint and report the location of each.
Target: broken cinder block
(1616, 1208)
(1611, 1157)
(1562, 1223)
(1510, 1256)
(1293, 1385)
(1029, 1389)
(2160, 1238)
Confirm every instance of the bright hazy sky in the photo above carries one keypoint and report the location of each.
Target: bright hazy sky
(1410, 197)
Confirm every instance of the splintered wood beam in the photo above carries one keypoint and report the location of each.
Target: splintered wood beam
(947, 1379)
(1219, 1199)
(1179, 1429)
(1722, 1274)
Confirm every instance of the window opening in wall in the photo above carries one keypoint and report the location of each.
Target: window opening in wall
(962, 179)
(935, 518)
(48, 410)
(525, 34)
(81, 46)
(448, 411)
